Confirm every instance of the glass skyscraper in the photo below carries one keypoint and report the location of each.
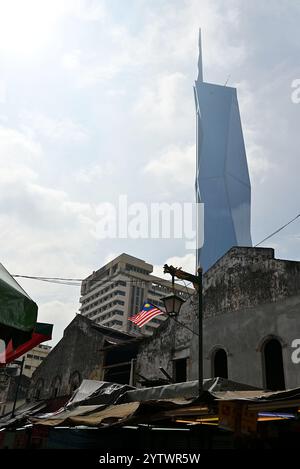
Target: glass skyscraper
(222, 178)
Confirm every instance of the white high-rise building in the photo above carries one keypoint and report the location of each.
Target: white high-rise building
(118, 290)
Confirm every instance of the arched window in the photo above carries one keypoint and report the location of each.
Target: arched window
(55, 386)
(273, 365)
(219, 364)
(74, 381)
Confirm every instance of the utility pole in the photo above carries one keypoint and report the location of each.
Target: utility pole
(197, 282)
(18, 386)
(200, 332)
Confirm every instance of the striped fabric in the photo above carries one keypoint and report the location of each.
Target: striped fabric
(147, 313)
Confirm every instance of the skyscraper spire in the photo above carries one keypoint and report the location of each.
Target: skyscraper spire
(200, 71)
(222, 177)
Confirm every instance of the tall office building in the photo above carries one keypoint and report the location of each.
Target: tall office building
(222, 178)
(118, 290)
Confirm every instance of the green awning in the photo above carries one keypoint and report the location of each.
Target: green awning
(18, 312)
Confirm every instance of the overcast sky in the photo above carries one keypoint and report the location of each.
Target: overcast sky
(96, 100)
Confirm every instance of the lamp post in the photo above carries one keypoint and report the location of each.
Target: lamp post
(173, 304)
(200, 333)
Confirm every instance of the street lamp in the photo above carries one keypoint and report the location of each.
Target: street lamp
(172, 304)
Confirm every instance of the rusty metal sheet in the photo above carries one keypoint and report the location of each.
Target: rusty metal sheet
(112, 414)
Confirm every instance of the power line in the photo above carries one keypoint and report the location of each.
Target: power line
(278, 230)
(58, 281)
(77, 281)
(35, 277)
(185, 283)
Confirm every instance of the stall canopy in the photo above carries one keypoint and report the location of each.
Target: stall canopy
(18, 312)
(42, 332)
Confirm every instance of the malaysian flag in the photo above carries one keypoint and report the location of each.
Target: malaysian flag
(147, 313)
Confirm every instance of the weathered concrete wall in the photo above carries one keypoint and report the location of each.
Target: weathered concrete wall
(246, 277)
(156, 352)
(79, 352)
(242, 335)
(171, 341)
(248, 297)
(8, 388)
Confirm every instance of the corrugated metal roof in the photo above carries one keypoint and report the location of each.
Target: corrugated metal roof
(57, 418)
(111, 415)
(22, 413)
(188, 390)
(90, 416)
(154, 404)
(98, 392)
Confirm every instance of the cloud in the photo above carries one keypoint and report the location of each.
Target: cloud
(71, 60)
(161, 106)
(17, 147)
(152, 48)
(110, 257)
(260, 161)
(187, 262)
(107, 108)
(176, 165)
(92, 10)
(43, 229)
(94, 173)
(19, 153)
(25, 199)
(27, 28)
(260, 165)
(42, 223)
(58, 313)
(3, 91)
(55, 129)
(85, 69)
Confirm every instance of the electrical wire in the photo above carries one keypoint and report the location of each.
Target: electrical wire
(66, 281)
(183, 325)
(186, 288)
(278, 230)
(49, 278)
(78, 281)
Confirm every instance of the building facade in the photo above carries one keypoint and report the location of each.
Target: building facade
(86, 351)
(222, 178)
(10, 380)
(34, 358)
(251, 308)
(10, 376)
(118, 290)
